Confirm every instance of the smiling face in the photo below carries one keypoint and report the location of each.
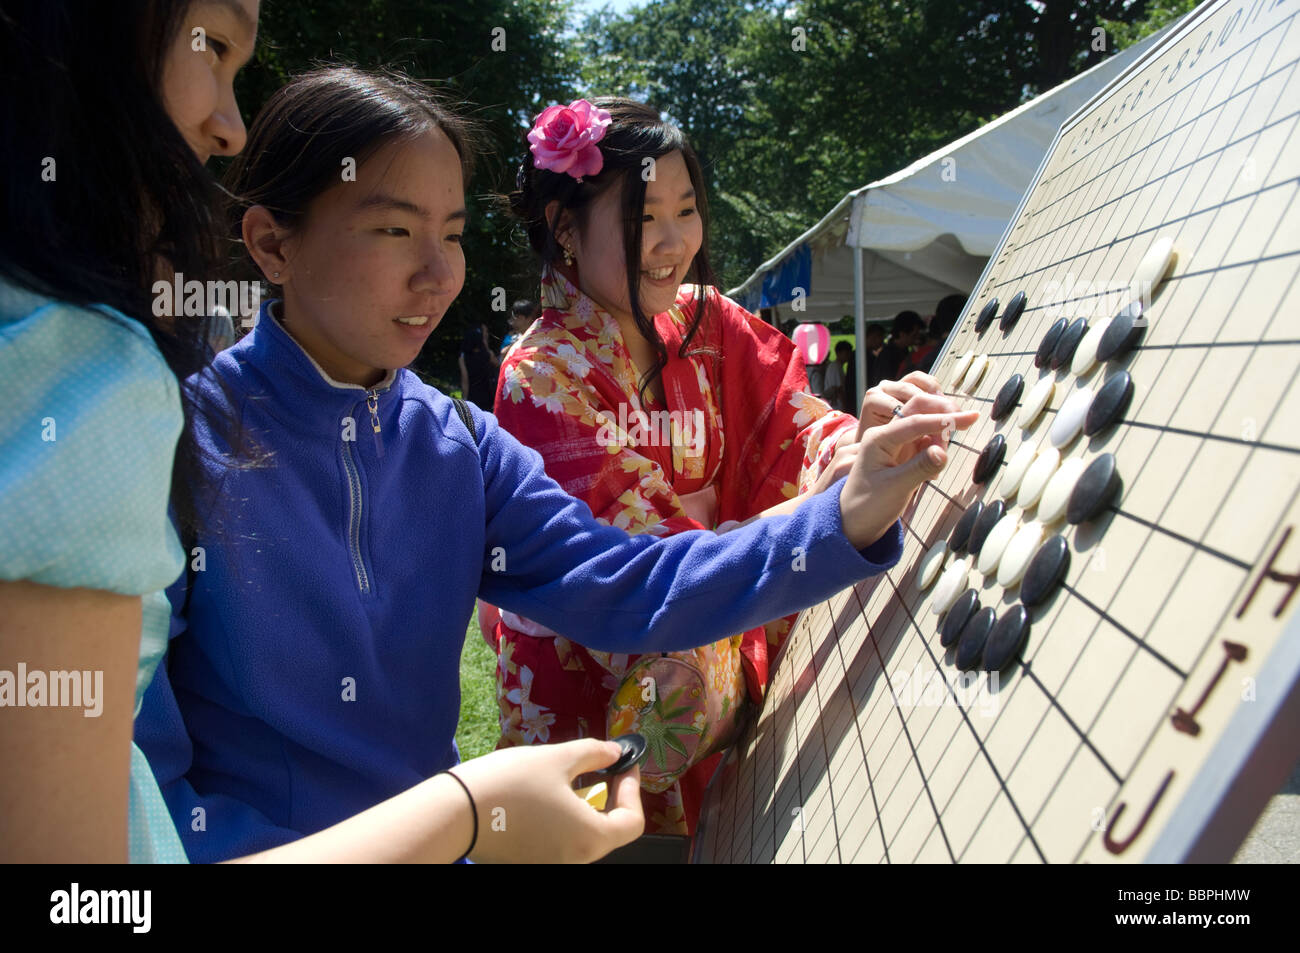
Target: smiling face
(375, 263)
(671, 235)
(198, 84)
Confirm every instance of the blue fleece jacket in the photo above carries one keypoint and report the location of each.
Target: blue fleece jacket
(314, 668)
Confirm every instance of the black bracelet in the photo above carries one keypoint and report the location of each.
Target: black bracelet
(473, 810)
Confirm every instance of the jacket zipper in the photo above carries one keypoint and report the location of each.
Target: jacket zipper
(354, 494)
(354, 518)
(372, 404)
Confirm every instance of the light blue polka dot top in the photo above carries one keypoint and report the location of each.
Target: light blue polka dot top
(89, 419)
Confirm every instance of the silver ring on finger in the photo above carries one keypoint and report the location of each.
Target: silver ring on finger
(898, 410)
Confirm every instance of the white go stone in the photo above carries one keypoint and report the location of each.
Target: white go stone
(951, 584)
(1085, 355)
(1153, 266)
(931, 563)
(1069, 419)
(976, 371)
(996, 542)
(1040, 471)
(1038, 398)
(1016, 470)
(959, 369)
(1019, 551)
(1056, 496)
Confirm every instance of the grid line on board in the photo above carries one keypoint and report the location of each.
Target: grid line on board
(978, 740)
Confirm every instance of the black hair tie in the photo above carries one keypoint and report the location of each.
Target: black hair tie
(473, 810)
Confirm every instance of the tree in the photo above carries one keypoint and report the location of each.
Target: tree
(794, 104)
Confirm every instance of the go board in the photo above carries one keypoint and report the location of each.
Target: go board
(1090, 649)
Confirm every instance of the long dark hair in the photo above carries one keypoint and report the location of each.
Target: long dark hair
(123, 195)
(297, 143)
(635, 133)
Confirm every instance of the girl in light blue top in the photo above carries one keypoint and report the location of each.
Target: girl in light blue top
(90, 409)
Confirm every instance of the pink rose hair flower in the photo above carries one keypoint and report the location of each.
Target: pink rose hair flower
(563, 139)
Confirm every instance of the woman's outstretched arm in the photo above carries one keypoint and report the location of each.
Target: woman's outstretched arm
(524, 811)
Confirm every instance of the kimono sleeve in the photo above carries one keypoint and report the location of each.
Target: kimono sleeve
(780, 437)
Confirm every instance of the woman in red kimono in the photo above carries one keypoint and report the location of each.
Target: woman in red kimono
(666, 407)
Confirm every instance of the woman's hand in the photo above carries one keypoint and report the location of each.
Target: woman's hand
(879, 402)
(917, 393)
(529, 813)
(893, 461)
(840, 465)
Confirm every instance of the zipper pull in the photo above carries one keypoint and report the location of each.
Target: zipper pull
(372, 404)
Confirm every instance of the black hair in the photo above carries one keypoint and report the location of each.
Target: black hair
(523, 308)
(127, 198)
(472, 338)
(297, 143)
(843, 346)
(945, 317)
(905, 322)
(635, 133)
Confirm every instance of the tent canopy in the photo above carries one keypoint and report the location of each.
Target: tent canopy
(926, 231)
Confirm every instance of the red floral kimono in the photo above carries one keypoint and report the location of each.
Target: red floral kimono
(739, 434)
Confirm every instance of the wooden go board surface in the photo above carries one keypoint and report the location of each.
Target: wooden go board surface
(1151, 704)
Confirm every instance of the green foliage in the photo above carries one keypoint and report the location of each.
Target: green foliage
(1159, 13)
(479, 726)
(794, 104)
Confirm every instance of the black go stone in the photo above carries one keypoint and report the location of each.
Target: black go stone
(990, 459)
(973, 637)
(634, 749)
(1048, 344)
(986, 316)
(1123, 333)
(1015, 308)
(1097, 486)
(1007, 397)
(1007, 638)
(965, 607)
(1070, 339)
(1045, 571)
(984, 525)
(961, 532)
(1109, 403)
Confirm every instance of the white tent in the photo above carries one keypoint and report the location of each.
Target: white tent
(927, 231)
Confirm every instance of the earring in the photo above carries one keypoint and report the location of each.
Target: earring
(275, 274)
(568, 257)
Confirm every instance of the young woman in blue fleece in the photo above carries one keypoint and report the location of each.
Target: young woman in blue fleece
(314, 660)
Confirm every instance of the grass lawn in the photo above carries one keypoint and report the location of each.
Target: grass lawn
(478, 730)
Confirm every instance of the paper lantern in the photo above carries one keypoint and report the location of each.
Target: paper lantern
(814, 342)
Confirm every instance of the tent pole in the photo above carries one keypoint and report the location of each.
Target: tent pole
(859, 324)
